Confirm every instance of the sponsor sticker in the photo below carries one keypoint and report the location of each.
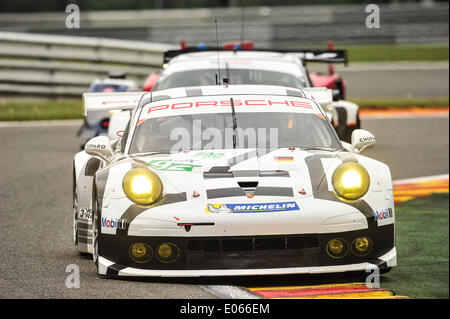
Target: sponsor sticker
(251, 208)
(99, 146)
(114, 223)
(382, 214)
(164, 165)
(212, 155)
(85, 213)
(194, 105)
(367, 139)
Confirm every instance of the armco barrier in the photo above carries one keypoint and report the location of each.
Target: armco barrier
(66, 65)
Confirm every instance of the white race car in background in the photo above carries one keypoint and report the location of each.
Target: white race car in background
(261, 67)
(97, 122)
(184, 192)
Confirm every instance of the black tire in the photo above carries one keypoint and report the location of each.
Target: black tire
(341, 124)
(350, 128)
(348, 133)
(358, 121)
(340, 87)
(97, 227)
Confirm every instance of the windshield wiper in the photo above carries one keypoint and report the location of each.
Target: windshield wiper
(233, 113)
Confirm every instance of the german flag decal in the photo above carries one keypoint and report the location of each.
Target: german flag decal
(283, 158)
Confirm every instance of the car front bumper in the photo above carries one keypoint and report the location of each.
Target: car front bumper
(110, 269)
(246, 255)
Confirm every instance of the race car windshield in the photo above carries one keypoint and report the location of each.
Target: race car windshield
(271, 130)
(237, 76)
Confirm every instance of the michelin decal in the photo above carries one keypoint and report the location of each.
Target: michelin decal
(252, 208)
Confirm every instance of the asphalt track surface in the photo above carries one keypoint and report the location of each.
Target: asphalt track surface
(405, 80)
(36, 209)
(401, 84)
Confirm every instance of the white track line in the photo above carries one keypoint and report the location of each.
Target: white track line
(420, 179)
(398, 66)
(58, 123)
(51, 123)
(402, 116)
(234, 292)
(229, 292)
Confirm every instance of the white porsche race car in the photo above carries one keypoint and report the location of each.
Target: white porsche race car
(97, 122)
(230, 180)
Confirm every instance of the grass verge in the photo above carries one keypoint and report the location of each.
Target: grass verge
(394, 53)
(422, 247)
(18, 110)
(60, 109)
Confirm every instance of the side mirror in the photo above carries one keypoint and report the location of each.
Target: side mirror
(362, 139)
(99, 146)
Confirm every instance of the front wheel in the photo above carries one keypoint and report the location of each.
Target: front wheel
(96, 229)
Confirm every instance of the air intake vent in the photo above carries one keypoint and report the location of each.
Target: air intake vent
(248, 187)
(248, 184)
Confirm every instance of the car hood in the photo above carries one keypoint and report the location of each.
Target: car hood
(223, 173)
(202, 187)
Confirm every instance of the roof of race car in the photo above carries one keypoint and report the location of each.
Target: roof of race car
(261, 60)
(113, 81)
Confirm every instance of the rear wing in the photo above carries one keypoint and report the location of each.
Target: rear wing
(323, 56)
(321, 95)
(306, 55)
(110, 101)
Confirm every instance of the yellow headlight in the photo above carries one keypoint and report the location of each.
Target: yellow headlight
(168, 253)
(142, 186)
(361, 246)
(351, 180)
(337, 248)
(140, 252)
